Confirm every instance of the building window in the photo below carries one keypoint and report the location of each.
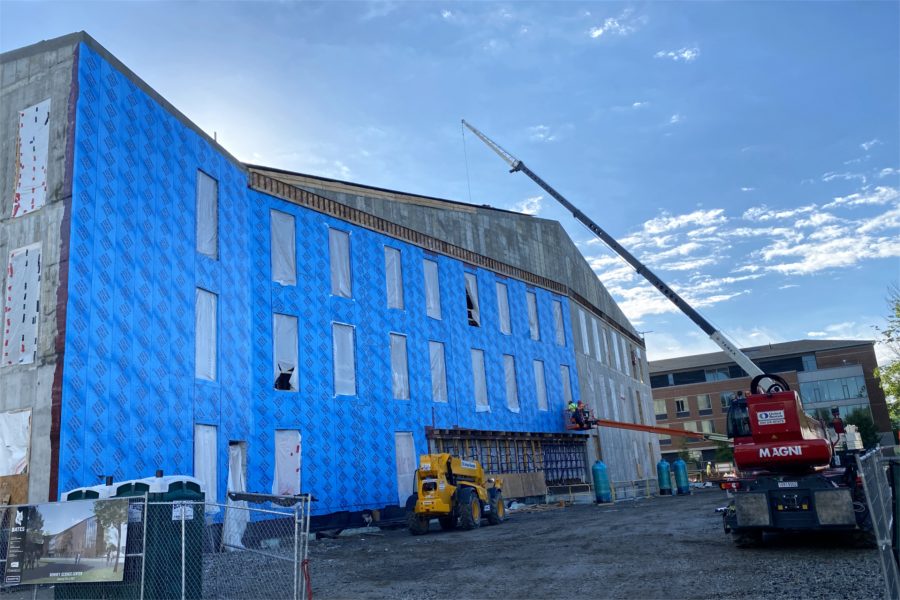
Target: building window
(512, 390)
(603, 334)
(393, 277)
(432, 289)
(659, 407)
(344, 355)
(585, 340)
(558, 324)
(339, 255)
(399, 367)
(614, 337)
(206, 458)
(438, 372)
(597, 354)
(704, 404)
(207, 215)
(681, 407)
(665, 440)
(707, 426)
(725, 398)
(640, 407)
(283, 248)
(566, 383)
(809, 362)
(720, 374)
(480, 381)
(534, 328)
(205, 308)
(503, 308)
(690, 426)
(285, 343)
(540, 385)
(286, 481)
(472, 311)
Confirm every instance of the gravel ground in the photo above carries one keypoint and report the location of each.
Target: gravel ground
(657, 548)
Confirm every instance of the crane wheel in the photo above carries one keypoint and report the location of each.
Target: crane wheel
(448, 523)
(498, 509)
(469, 509)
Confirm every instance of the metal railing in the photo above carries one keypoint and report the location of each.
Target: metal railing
(878, 468)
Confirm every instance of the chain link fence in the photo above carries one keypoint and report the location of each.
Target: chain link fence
(880, 472)
(256, 548)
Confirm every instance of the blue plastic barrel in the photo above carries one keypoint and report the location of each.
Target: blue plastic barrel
(681, 477)
(601, 482)
(664, 477)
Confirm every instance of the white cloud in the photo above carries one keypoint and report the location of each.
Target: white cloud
(868, 196)
(621, 25)
(747, 189)
(845, 176)
(764, 213)
(870, 144)
(529, 206)
(446, 14)
(787, 286)
(855, 330)
(540, 133)
(685, 54)
(676, 118)
(888, 171)
(817, 219)
(639, 104)
(668, 222)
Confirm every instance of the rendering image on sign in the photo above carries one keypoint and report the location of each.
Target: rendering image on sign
(65, 542)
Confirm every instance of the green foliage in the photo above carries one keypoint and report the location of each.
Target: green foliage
(35, 533)
(889, 374)
(724, 452)
(865, 426)
(112, 514)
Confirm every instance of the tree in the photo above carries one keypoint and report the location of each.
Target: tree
(724, 452)
(889, 374)
(112, 513)
(865, 426)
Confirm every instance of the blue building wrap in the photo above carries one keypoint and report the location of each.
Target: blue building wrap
(130, 398)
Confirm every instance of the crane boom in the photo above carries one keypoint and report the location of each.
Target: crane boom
(715, 335)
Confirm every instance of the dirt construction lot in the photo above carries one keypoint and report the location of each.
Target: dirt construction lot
(656, 548)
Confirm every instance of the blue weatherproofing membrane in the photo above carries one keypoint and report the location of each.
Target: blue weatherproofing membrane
(130, 399)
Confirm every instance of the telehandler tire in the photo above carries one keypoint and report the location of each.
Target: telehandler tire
(469, 509)
(498, 509)
(418, 525)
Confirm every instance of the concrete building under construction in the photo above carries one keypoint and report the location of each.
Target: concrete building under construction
(170, 307)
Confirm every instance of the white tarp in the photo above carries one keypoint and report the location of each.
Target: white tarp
(503, 308)
(236, 514)
(604, 332)
(23, 297)
(585, 341)
(205, 305)
(558, 324)
(432, 289)
(287, 463)
(406, 464)
(207, 215)
(205, 459)
(615, 346)
(613, 399)
(540, 384)
(393, 275)
(480, 382)
(285, 343)
(533, 323)
(344, 360)
(339, 255)
(399, 367)
(32, 152)
(474, 313)
(626, 356)
(512, 390)
(438, 372)
(566, 383)
(597, 353)
(284, 248)
(15, 432)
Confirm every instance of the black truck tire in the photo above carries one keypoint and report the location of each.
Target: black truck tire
(498, 509)
(469, 509)
(417, 524)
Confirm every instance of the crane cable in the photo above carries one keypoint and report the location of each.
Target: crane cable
(462, 131)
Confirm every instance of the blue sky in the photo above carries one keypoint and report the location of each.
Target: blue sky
(748, 152)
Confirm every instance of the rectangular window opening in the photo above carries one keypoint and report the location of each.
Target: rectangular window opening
(284, 248)
(558, 328)
(479, 381)
(205, 308)
(566, 383)
(540, 385)
(472, 311)
(512, 390)
(286, 481)
(432, 289)
(503, 308)
(339, 256)
(207, 215)
(285, 350)
(393, 274)
(438, 372)
(534, 328)
(205, 459)
(399, 367)
(344, 355)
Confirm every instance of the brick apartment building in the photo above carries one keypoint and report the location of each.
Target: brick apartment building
(693, 392)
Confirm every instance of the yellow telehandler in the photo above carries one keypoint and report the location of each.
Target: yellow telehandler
(455, 492)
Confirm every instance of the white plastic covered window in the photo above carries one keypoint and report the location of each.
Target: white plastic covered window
(22, 307)
(558, 328)
(534, 327)
(393, 275)
(540, 384)
(405, 451)
(626, 356)
(472, 310)
(597, 353)
(438, 372)
(286, 481)
(603, 333)
(15, 433)
(344, 354)
(480, 381)
(432, 289)
(285, 340)
(284, 253)
(399, 367)
(566, 383)
(205, 306)
(509, 376)
(339, 254)
(32, 153)
(205, 459)
(615, 346)
(585, 341)
(207, 215)
(503, 308)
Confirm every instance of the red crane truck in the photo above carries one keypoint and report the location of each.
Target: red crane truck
(791, 479)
